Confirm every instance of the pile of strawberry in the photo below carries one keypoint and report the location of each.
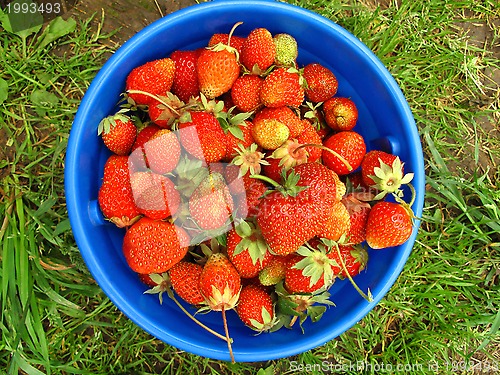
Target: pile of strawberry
(243, 184)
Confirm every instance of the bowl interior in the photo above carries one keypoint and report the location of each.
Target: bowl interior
(385, 121)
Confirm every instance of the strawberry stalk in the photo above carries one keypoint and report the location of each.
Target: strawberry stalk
(321, 147)
(156, 98)
(228, 339)
(368, 296)
(225, 338)
(232, 31)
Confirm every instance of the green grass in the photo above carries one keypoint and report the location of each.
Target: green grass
(442, 312)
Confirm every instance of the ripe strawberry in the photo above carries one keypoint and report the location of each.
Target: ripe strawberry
(145, 135)
(384, 172)
(274, 168)
(350, 146)
(269, 133)
(297, 282)
(389, 224)
(247, 250)
(236, 41)
(185, 279)
(162, 151)
(286, 50)
(321, 82)
(373, 159)
(274, 271)
(118, 133)
(358, 215)
(152, 246)
(341, 114)
(284, 115)
(217, 70)
(255, 308)
(220, 285)
(185, 84)
(155, 195)
(296, 211)
(211, 204)
(203, 137)
(115, 197)
(245, 92)
(337, 224)
(258, 51)
(310, 136)
(154, 77)
(247, 203)
(165, 110)
(321, 186)
(238, 136)
(282, 87)
(355, 259)
(236, 182)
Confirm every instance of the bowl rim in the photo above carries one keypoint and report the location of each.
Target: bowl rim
(76, 217)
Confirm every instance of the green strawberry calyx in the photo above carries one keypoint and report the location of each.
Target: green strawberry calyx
(389, 178)
(251, 241)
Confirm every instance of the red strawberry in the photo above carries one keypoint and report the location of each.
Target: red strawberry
(217, 70)
(337, 224)
(185, 279)
(245, 92)
(255, 308)
(350, 146)
(372, 160)
(321, 185)
(162, 151)
(295, 212)
(389, 224)
(145, 135)
(155, 195)
(341, 114)
(310, 136)
(220, 285)
(236, 41)
(152, 246)
(282, 87)
(203, 137)
(384, 172)
(355, 259)
(358, 215)
(296, 281)
(118, 133)
(237, 183)
(185, 84)
(247, 250)
(238, 136)
(211, 204)
(258, 51)
(284, 115)
(115, 195)
(154, 77)
(247, 203)
(273, 169)
(165, 110)
(321, 82)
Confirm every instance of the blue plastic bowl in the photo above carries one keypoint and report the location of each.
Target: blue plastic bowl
(385, 121)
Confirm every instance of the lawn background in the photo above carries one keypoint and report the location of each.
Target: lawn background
(441, 316)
